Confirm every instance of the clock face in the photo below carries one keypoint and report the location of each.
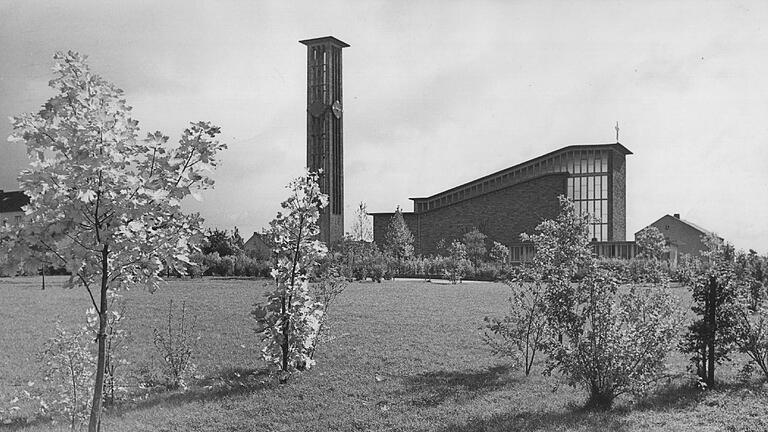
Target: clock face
(336, 108)
(317, 108)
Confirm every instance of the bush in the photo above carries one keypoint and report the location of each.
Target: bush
(615, 343)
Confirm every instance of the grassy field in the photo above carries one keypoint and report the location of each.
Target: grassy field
(405, 356)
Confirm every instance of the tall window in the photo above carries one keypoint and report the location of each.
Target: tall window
(588, 189)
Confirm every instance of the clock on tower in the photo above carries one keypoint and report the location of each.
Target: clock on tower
(325, 137)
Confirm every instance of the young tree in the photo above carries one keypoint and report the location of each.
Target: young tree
(651, 243)
(457, 264)
(398, 240)
(715, 287)
(499, 253)
(523, 332)
(105, 203)
(290, 320)
(475, 243)
(361, 227)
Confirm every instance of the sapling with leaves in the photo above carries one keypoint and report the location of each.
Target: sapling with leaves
(177, 342)
(105, 203)
(523, 332)
(715, 287)
(290, 319)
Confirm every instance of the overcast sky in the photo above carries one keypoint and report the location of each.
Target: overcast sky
(436, 93)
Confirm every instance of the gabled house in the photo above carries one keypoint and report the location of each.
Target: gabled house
(257, 247)
(682, 236)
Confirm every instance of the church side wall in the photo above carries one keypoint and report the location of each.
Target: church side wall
(502, 215)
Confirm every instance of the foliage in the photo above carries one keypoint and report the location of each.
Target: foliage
(499, 253)
(222, 242)
(523, 332)
(615, 343)
(105, 203)
(290, 320)
(637, 270)
(398, 240)
(233, 265)
(562, 249)
(362, 225)
(651, 243)
(751, 318)
(177, 347)
(329, 285)
(751, 330)
(69, 374)
(715, 289)
(360, 260)
(474, 242)
(457, 264)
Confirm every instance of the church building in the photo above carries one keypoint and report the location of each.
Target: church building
(513, 201)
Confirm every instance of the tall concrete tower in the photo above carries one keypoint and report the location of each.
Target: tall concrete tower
(325, 132)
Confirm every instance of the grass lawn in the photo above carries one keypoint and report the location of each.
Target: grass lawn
(405, 356)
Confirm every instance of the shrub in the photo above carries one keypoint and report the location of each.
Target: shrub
(69, 375)
(752, 335)
(523, 332)
(177, 345)
(615, 343)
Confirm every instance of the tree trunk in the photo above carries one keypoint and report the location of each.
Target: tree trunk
(43, 277)
(94, 423)
(712, 318)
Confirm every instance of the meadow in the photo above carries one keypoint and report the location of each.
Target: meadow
(401, 356)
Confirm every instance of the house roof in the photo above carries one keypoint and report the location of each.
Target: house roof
(12, 201)
(698, 228)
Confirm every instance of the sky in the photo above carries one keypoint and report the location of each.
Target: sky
(436, 93)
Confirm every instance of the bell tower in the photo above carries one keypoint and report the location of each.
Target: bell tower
(325, 132)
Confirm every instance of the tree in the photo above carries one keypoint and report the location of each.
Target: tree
(715, 287)
(237, 241)
(361, 227)
(651, 243)
(105, 203)
(398, 240)
(219, 241)
(457, 263)
(475, 242)
(499, 253)
(290, 319)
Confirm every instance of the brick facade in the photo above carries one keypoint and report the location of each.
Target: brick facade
(502, 214)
